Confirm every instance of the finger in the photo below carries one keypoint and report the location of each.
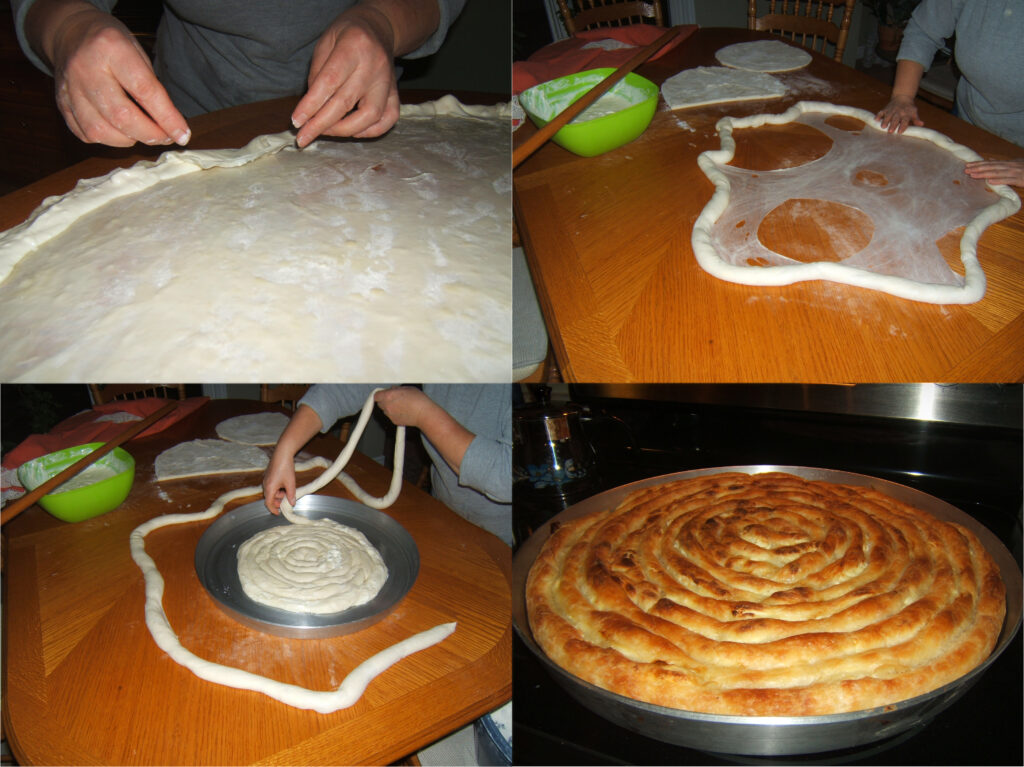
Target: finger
(377, 111)
(94, 127)
(386, 121)
(324, 83)
(143, 86)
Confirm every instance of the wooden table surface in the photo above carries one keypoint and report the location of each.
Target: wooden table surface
(86, 684)
(608, 244)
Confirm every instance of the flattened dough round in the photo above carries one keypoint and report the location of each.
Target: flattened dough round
(201, 457)
(701, 86)
(254, 428)
(763, 56)
(319, 568)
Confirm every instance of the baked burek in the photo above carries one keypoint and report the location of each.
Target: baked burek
(765, 595)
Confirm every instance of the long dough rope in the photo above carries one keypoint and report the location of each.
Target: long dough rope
(352, 687)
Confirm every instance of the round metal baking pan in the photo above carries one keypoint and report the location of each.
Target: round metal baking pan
(217, 566)
(762, 735)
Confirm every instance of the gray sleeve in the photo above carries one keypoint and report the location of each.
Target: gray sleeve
(20, 8)
(933, 21)
(333, 401)
(487, 463)
(450, 9)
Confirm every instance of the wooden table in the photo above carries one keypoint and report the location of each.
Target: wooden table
(86, 684)
(608, 244)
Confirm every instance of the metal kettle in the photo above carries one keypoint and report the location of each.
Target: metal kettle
(553, 462)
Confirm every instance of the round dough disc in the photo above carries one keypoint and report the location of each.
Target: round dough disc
(318, 567)
(763, 56)
(253, 429)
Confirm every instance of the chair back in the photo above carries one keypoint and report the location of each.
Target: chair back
(811, 23)
(285, 395)
(580, 15)
(103, 393)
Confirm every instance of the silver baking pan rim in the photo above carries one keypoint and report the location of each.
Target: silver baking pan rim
(217, 567)
(768, 735)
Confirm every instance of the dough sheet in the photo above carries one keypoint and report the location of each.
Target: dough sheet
(383, 259)
(702, 86)
(891, 199)
(253, 428)
(764, 56)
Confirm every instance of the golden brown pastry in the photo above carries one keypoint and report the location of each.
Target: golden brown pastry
(765, 595)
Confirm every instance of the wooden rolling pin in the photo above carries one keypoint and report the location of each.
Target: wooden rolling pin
(20, 504)
(538, 139)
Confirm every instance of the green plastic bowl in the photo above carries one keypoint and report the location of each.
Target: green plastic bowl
(105, 493)
(636, 98)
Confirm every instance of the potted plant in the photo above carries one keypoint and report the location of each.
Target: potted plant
(892, 16)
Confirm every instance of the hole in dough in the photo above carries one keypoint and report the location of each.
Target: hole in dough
(865, 177)
(758, 261)
(773, 147)
(949, 246)
(828, 231)
(845, 122)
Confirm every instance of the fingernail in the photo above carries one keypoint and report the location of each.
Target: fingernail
(299, 119)
(181, 137)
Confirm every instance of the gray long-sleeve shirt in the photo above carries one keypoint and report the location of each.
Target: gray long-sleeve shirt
(989, 51)
(481, 491)
(212, 54)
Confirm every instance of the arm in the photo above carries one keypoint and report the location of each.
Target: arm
(407, 406)
(279, 478)
(352, 88)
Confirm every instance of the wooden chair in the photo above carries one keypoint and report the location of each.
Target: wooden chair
(285, 395)
(811, 23)
(103, 393)
(580, 15)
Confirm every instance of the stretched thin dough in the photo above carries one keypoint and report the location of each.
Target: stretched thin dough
(324, 702)
(713, 262)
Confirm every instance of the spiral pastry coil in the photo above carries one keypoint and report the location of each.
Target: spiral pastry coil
(321, 567)
(765, 595)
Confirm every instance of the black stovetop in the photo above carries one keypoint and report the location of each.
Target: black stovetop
(977, 469)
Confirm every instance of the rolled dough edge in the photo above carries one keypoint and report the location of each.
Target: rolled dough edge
(57, 213)
(709, 259)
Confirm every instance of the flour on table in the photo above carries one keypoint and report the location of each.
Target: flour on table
(763, 56)
(384, 259)
(910, 188)
(202, 457)
(318, 568)
(701, 86)
(253, 428)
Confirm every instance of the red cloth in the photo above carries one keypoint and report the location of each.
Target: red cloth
(568, 56)
(84, 427)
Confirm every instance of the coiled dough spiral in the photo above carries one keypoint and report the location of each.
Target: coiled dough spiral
(318, 568)
(765, 595)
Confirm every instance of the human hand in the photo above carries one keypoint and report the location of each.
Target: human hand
(106, 88)
(997, 172)
(352, 88)
(898, 114)
(279, 481)
(405, 405)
